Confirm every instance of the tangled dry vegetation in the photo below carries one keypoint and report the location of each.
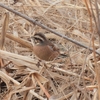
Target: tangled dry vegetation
(24, 76)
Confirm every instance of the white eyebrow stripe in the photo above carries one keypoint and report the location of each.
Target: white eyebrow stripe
(39, 37)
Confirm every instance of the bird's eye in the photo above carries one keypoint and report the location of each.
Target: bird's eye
(38, 41)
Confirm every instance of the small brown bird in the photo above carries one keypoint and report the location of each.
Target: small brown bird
(43, 48)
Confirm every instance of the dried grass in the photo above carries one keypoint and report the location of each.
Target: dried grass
(25, 77)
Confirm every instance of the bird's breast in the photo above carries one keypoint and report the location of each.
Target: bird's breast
(45, 52)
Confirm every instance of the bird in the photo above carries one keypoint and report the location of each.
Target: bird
(43, 48)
